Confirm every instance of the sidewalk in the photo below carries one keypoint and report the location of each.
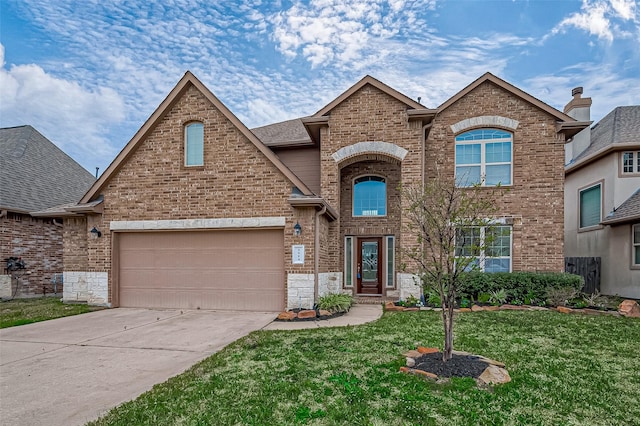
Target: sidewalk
(358, 314)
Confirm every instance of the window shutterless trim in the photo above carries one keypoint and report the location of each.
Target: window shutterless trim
(383, 179)
(580, 191)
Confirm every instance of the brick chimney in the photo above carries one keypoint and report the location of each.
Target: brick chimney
(578, 108)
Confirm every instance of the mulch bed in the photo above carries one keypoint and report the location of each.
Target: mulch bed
(457, 366)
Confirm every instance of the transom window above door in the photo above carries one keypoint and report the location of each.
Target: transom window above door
(484, 157)
(369, 196)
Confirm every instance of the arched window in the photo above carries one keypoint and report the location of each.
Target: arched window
(194, 144)
(369, 196)
(484, 157)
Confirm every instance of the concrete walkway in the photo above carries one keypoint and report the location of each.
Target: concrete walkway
(71, 370)
(359, 314)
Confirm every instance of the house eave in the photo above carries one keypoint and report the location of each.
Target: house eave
(316, 202)
(621, 221)
(572, 167)
(571, 128)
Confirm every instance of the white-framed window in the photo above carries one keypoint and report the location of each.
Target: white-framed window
(490, 247)
(194, 144)
(484, 157)
(370, 196)
(630, 162)
(636, 245)
(590, 206)
(391, 245)
(348, 261)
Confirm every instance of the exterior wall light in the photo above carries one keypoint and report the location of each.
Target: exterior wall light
(297, 229)
(95, 233)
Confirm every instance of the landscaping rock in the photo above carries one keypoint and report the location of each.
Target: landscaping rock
(425, 374)
(310, 313)
(287, 316)
(412, 354)
(564, 309)
(425, 350)
(477, 308)
(411, 362)
(324, 313)
(494, 375)
(491, 361)
(629, 308)
(390, 306)
(492, 308)
(411, 309)
(464, 310)
(513, 308)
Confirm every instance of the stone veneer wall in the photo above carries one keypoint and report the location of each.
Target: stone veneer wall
(83, 286)
(39, 242)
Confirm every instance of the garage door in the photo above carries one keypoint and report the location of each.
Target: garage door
(240, 270)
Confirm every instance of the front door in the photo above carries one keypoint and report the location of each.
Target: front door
(369, 268)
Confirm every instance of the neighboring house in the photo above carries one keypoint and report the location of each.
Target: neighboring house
(35, 175)
(198, 211)
(602, 180)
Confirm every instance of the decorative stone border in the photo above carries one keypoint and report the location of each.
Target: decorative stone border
(494, 374)
(628, 308)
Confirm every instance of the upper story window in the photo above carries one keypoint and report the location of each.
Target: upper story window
(630, 162)
(484, 157)
(194, 144)
(590, 206)
(369, 196)
(636, 245)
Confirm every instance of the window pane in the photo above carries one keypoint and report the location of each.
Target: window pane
(498, 174)
(590, 207)
(468, 154)
(194, 145)
(369, 196)
(390, 261)
(637, 256)
(467, 242)
(467, 175)
(636, 234)
(499, 152)
(498, 241)
(638, 162)
(496, 265)
(348, 260)
(480, 134)
(627, 162)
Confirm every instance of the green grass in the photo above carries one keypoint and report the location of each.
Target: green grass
(26, 311)
(565, 370)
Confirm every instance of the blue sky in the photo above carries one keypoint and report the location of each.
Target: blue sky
(87, 74)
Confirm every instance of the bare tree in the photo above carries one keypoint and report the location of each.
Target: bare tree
(453, 228)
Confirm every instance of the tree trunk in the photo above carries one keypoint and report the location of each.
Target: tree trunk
(448, 335)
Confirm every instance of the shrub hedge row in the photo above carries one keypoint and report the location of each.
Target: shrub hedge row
(520, 286)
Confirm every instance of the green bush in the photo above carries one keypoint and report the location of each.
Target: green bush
(335, 302)
(519, 287)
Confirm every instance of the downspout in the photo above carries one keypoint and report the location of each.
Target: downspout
(425, 131)
(316, 253)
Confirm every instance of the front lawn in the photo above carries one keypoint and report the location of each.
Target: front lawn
(25, 311)
(565, 369)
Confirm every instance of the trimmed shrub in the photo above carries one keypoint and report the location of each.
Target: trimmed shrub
(520, 287)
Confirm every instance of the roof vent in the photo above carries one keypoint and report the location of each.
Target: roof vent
(577, 91)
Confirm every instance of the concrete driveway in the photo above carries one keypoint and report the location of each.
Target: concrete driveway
(72, 370)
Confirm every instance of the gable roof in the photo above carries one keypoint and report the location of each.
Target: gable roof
(627, 212)
(619, 129)
(185, 82)
(378, 85)
(488, 77)
(35, 174)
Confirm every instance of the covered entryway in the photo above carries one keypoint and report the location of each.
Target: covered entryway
(221, 269)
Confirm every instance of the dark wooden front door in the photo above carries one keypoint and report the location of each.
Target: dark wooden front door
(369, 267)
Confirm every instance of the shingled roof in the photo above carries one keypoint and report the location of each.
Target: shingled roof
(621, 126)
(286, 133)
(628, 211)
(35, 174)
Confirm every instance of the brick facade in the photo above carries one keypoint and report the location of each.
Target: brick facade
(239, 181)
(535, 201)
(39, 243)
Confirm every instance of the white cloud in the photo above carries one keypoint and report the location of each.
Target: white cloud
(72, 116)
(598, 18)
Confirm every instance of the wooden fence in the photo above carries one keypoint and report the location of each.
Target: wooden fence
(588, 268)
